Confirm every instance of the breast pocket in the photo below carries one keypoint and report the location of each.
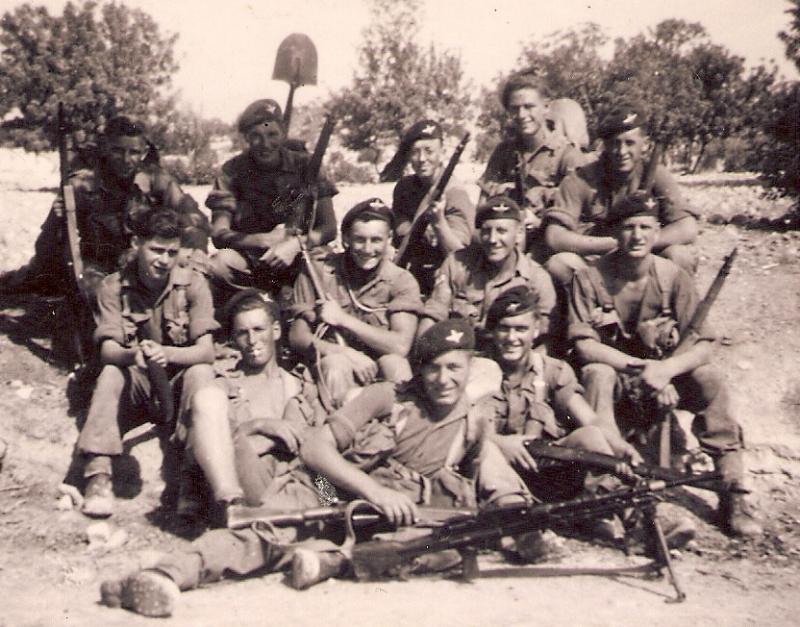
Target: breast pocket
(176, 327)
(134, 327)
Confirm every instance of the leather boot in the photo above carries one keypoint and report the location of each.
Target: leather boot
(736, 515)
(311, 567)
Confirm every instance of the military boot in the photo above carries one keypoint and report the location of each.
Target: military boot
(311, 567)
(148, 592)
(736, 515)
(99, 497)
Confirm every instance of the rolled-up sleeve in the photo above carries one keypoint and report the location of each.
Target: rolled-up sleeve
(108, 317)
(568, 203)
(563, 385)
(672, 206)
(201, 308)
(582, 302)
(460, 214)
(438, 305)
(374, 401)
(405, 296)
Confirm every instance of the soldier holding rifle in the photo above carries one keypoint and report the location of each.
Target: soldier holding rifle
(369, 305)
(259, 202)
(447, 225)
(630, 304)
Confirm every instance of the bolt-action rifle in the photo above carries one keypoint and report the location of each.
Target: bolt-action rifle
(419, 222)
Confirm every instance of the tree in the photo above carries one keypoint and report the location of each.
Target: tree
(398, 82)
(791, 38)
(99, 60)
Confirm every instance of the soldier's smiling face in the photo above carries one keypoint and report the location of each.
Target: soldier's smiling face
(426, 156)
(498, 238)
(156, 257)
(637, 235)
(513, 337)
(263, 141)
(444, 377)
(527, 110)
(124, 155)
(626, 149)
(367, 242)
(254, 333)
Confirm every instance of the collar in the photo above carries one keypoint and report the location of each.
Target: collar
(521, 267)
(129, 279)
(379, 274)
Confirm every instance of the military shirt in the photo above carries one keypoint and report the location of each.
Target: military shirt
(259, 198)
(459, 213)
(586, 200)
(539, 171)
(105, 210)
(596, 314)
(417, 440)
(464, 287)
(391, 290)
(536, 403)
(180, 314)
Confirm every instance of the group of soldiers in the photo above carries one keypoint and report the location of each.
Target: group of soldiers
(404, 386)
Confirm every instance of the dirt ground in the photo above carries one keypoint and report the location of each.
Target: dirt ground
(50, 571)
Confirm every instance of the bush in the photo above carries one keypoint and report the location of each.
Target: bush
(340, 168)
(199, 169)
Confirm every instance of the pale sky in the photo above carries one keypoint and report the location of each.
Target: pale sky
(226, 48)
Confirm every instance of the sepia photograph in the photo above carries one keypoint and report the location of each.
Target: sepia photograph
(399, 312)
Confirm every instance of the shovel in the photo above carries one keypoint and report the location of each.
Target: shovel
(295, 63)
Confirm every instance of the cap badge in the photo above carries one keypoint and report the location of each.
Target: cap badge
(501, 207)
(629, 119)
(512, 307)
(376, 203)
(650, 204)
(454, 337)
(430, 129)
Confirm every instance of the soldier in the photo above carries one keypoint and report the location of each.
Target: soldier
(256, 205)
(579, 224)
(529, 166)
(155, 310)
(470, 279)
(367, 301)
(630, 307)
(250, 421)
(109, 198)
(414, 438)
(445, 228)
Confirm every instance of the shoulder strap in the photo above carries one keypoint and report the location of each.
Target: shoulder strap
(665, 273)
(599, 284)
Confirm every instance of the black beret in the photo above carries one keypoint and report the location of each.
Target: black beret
(424, 129)
(265, 110)
(623, 117)
(635, 204)
(232, 306)
(448, 335)
(496, 208)
(513, 302)
(370, 209)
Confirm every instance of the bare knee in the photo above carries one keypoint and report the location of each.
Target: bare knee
(111, 378)
(588, 438)
(209, 403)
(598, 374)
(683, 256)
(395, 368)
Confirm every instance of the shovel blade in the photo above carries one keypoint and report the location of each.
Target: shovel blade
(296, 61)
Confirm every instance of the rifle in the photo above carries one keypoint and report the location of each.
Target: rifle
(540, 449)
(308, 204)
(361, 513)
(431, 198)
(75, 299)
(379, 559)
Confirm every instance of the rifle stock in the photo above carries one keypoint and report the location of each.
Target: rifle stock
(431, 198)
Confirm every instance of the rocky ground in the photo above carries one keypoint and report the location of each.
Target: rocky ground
(53, 559)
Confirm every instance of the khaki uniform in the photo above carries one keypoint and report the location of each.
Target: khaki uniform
(587, 201)
(464, 289)
(391, 290)
(535, 176)
(259, 200)
(105, 212)
(128, 313)
(426, 257)
(645, 330)
(389, 433)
